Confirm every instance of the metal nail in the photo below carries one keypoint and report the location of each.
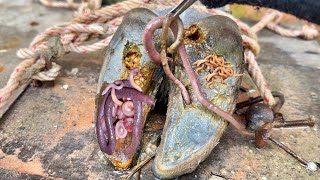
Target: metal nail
(288, 150)
(310, 121)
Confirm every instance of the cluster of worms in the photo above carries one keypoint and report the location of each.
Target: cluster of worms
(120, 113)
(218, 69)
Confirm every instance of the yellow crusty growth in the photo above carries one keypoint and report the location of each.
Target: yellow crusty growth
(132, 59)
(193, 34)
(144, 77)
(131, 56)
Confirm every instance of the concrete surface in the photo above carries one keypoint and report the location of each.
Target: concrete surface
(48, 133)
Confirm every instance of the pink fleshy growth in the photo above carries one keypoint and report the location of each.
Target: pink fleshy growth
(120, 130)
(120, 114)
(127, 108)
(128, 124)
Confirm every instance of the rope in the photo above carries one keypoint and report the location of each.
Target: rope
(271, 20)
(88, 24)
(70, 4)
(256, 75)
(58, 4)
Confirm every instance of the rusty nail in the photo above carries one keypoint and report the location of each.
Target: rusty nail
(262, 135)
(258, 99)
(278, 117)
(288, 150)
(310, 121)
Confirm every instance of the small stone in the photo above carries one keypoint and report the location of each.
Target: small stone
(66, 86)
(264, 178)
(315, 128)
(223, 171)
(143, 156)
(313, 94)
(34, 23)
(151, 149)
(251, 91)
(250, 151)
(311, 166)
(74, 71)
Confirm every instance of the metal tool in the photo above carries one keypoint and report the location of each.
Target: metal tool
(180, 8)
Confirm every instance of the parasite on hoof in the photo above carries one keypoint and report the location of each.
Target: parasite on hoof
(127, 87)
(120, 116)
(166, 22)
(122, 107)
(218, 70)
(200, 103)
(192, 131)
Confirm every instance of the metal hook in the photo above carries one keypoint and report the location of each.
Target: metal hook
(180, 8)
(255, 100)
